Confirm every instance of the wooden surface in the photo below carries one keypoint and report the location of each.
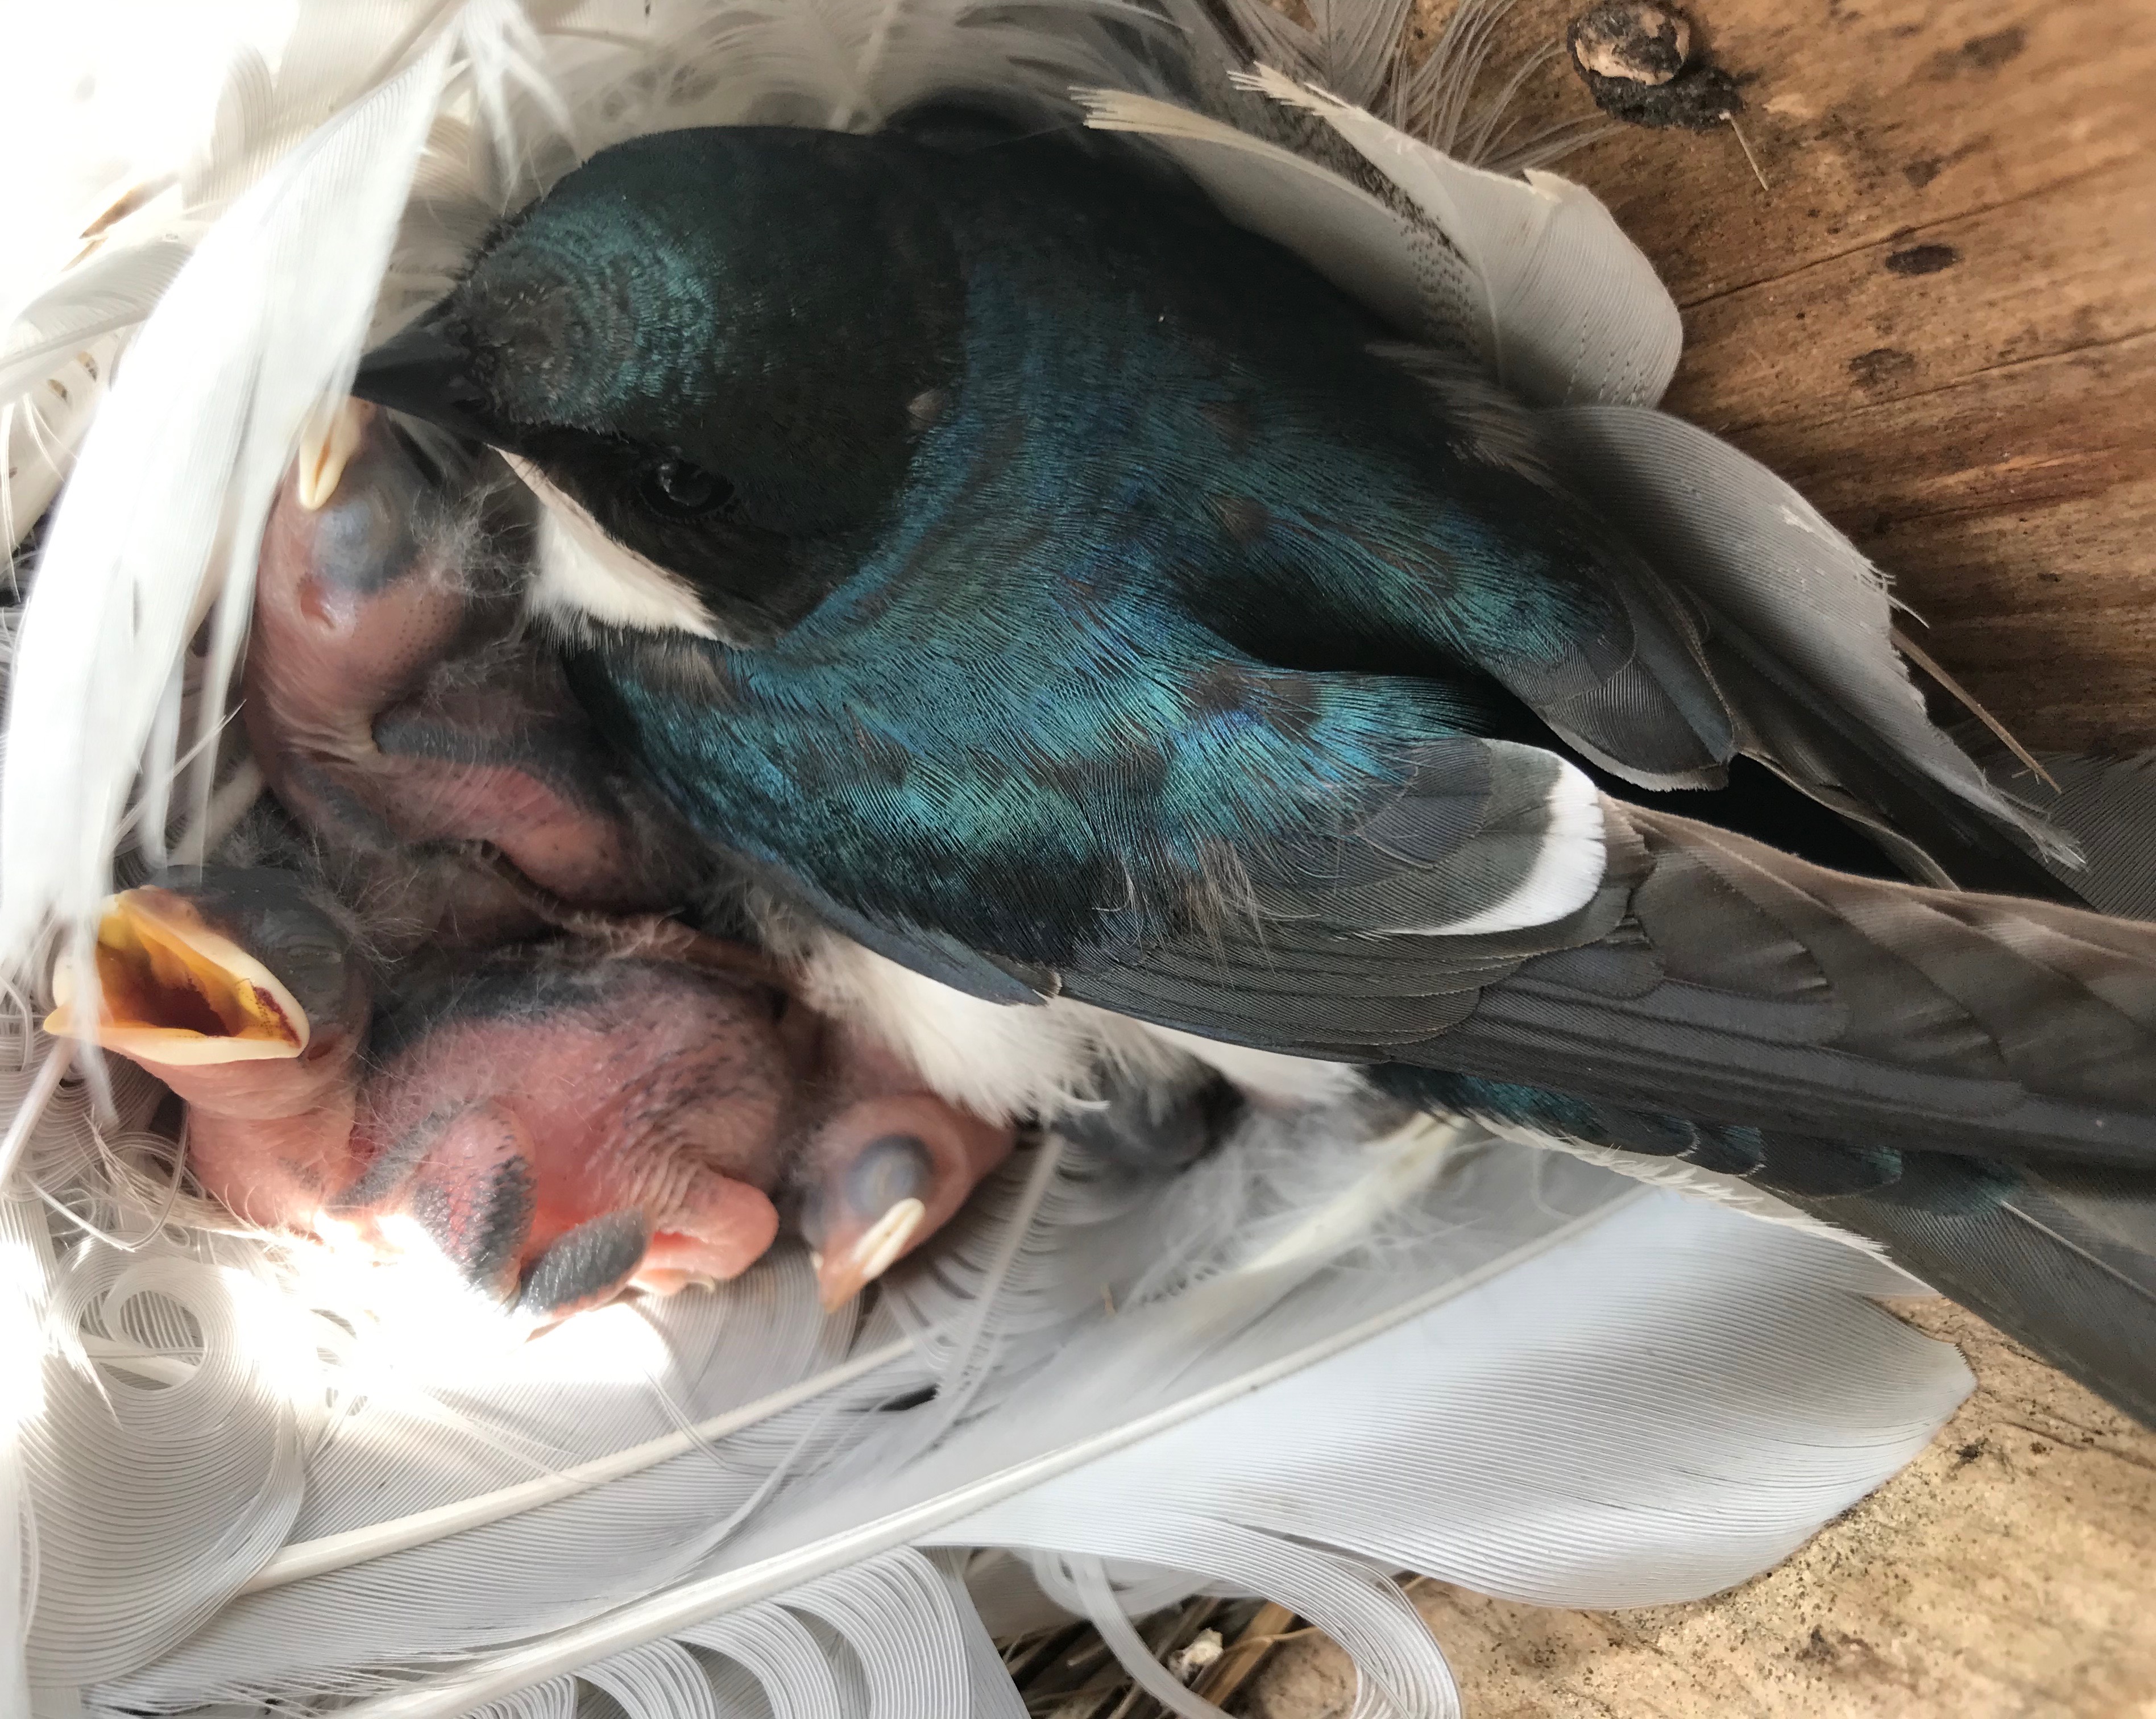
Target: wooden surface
(1938, 321)
(2009, 1574)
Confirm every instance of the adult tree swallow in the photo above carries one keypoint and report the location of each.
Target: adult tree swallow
(1078, 601)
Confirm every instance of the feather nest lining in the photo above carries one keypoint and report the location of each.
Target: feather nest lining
(236, 1474)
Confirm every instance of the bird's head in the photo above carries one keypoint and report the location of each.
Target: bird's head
(234, 986)
(681, 347)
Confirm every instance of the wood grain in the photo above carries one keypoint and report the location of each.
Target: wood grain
(1940, 320)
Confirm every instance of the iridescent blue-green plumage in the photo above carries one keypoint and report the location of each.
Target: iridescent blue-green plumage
(1299, 564)
(1065, 592)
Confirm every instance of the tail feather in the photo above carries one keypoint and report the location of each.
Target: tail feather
(2108, 806)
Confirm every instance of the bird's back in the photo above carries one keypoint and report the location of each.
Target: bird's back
(1189, 554)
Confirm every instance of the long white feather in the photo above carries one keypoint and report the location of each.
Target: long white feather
(113, 291)
(1699, 1300)
(167, 501)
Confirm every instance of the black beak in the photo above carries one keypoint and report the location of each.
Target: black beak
(424, 372)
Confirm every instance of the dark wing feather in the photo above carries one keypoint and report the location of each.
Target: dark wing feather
(2108, 806)
(1652, 713)
(1969, 1080)
(1795, 626)
(1328, 949)
(2065, 1262)
(1710, 976)
(1797, 998)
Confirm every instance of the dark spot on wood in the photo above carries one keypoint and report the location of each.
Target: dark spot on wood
(1979, 54)
(1817, 1649)
(1989, 52)
(1881, 367)
(1650, 42)
(1968, 1453)
(1920, 174)
(1639, 43)
(1923, 259)
(1243, 519)
(1698, 99)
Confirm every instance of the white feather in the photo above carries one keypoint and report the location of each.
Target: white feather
(1525, 1308)
(167, 501)
(583, 575)
(1266, 1075)
(40, 432)
(1568, 868)
(111, 291)
(1038, 1060)
(24, 1271)
(1560, 304)
(1560, 1398)
(1442, 1406)
(1352, 49)
(998, 1061)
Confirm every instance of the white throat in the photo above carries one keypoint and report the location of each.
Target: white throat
(585, 575)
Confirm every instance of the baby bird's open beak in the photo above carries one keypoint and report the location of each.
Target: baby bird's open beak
(240, 992)
(178, 992)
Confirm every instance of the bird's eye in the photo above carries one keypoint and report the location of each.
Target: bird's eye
(674, 488)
